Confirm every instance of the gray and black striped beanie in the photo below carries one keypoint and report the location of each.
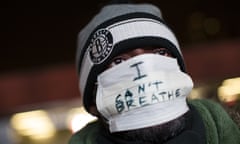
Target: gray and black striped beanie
(115, 29)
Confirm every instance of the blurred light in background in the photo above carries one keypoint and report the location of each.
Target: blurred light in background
(46, 124)
(35, 124)
(196, 93)
(78, 118)
(212, 26)
(229, 91)
(201, 27)
(199, 92)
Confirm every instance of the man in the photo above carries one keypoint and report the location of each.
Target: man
(133, 78)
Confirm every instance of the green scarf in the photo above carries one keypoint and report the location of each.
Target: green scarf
(220, 128)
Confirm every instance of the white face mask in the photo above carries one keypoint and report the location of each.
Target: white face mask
(143, 91)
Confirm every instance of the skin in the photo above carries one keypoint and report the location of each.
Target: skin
(135, 52)
(151, 135)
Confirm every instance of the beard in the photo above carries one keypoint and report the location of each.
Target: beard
(156, 134)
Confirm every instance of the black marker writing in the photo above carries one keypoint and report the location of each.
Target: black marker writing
(139, 75)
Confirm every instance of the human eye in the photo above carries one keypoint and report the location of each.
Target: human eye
(116, 61)
(162, 51)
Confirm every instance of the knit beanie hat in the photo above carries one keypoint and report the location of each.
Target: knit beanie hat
(115, 29)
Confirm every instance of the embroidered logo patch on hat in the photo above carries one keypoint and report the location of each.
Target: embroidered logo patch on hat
(101, 46)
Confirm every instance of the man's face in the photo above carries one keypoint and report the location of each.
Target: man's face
(153, 134)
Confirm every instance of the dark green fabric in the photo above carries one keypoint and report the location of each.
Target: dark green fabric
(220, 128)
(87, 135)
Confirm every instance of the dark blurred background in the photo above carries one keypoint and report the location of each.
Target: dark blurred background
(41, 33)
(38, 42)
